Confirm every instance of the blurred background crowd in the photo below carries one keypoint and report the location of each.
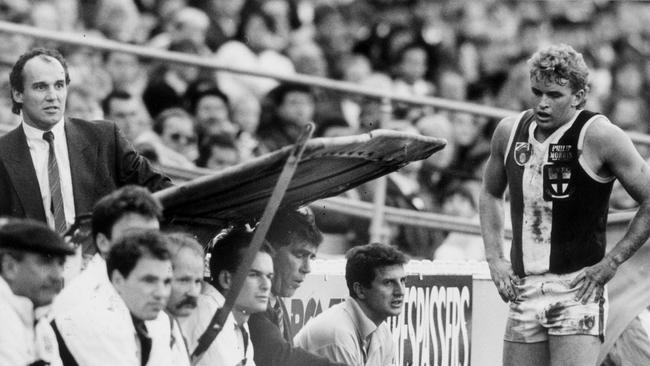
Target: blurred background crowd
(187, 117)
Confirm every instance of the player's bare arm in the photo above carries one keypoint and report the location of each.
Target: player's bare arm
(492, 212)
(612, 152)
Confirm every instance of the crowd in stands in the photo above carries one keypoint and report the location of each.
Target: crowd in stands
(188, 117)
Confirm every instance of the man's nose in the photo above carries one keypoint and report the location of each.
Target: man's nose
(543, 101)
(265, 283)
(306, 266)
(400, 288)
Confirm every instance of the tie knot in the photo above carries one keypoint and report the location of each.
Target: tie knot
(48, 136)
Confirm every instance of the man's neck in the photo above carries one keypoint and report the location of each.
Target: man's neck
(369, 313)
(240, 316)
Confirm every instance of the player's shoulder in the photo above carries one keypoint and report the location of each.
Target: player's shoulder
(602, 131)
(504, 129)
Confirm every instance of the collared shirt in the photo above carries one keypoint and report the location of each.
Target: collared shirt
(97, 327)
(23, 339)
(227, 349)
(39, 149)
(343, 333)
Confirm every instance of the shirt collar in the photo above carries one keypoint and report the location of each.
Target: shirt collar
(34, 133)
(365, 326)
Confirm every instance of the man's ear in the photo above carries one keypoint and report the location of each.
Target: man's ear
(16, 95)
(9, 267)
(359, 290)
(224, 279)
(103, 244)
(578, 98)
(116, 278)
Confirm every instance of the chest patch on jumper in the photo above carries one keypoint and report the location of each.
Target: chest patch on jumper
(560, 153)
(523, 151)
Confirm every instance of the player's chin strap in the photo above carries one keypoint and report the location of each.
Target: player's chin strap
(219, 318)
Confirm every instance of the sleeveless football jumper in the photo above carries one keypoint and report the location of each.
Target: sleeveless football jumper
(557, 204)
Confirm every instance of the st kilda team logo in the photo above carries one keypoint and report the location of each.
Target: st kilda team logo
(523, 151)
(557, 174)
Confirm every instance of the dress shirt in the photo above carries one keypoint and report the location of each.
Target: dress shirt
(227, 349)
(39, 149)
(343, 333)
(23, 339)
(97, 326)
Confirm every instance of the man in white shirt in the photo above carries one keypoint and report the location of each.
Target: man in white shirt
(355, 332)
(54, 168)
(232, 346)
(31, 269)
(188, 265)
(94, 326)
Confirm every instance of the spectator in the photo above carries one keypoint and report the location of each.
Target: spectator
(173, 139)
(256, 46)
(97, 159)
(232, 345)
(128, 113)
(289, 108)
(126, 72)
(355, 332)
(82, 104)
(168, 82)
(31, 274)
(211, 110)
(219, 152)
(186, 23)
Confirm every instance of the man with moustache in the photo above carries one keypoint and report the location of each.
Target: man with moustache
(558, 162)
(52, 168)
(232, 346)
(187, 263)
(354, 331)
(31, 273)
(87, 324)
(295, 239)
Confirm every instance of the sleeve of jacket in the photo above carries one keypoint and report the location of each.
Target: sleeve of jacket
(133, 168)
(271, 349)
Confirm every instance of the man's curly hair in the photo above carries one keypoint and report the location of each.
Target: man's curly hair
(560, 64)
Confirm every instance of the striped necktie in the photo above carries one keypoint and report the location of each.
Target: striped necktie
(55, 186)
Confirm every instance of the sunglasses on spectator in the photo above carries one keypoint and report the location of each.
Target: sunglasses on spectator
(176, 137)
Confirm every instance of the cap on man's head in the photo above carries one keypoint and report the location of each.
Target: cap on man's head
(32, 236)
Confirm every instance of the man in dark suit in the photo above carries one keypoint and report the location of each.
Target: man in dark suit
(54, 168)
(295, 239)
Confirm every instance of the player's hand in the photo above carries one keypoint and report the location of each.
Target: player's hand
(592, 280)
(504, 278)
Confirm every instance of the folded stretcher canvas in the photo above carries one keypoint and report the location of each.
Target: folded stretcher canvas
(328, 167)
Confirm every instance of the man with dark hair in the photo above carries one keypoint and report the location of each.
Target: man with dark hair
(232, 345)
(295, 239)
(127, 112)
(31, 274)
(289, 107)
(54, 168)
(84, 315)
(140, 269)
(355, 331)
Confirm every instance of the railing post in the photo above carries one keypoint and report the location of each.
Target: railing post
(378, 230)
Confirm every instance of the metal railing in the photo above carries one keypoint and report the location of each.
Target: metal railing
(376, 211)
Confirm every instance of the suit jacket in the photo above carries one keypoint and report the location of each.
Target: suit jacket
(101, 160)
(271, 346)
